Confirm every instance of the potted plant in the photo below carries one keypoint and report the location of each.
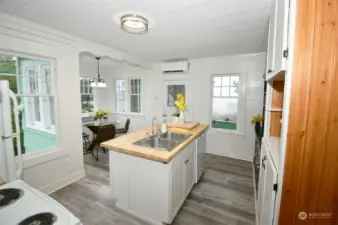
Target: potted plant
(100, 113)
(256, 120)
(180, 106)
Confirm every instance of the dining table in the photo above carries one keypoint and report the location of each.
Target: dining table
(95, 126)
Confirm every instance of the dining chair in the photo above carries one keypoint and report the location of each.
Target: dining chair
(125, 129)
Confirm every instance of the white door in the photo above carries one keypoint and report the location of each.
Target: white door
(171, 89)
(8, 166)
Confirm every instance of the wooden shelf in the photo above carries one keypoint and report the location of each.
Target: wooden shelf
(274, 110)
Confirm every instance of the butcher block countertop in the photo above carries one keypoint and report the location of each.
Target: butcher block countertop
(125, 144)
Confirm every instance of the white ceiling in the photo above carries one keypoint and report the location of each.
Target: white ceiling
(182, 29)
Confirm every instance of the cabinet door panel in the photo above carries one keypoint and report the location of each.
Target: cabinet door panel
(177, 192)
(189, 173)
(200, 155)
(272, 40)
(261, 184)
(269, 196)
(282, 16)
(277, 41)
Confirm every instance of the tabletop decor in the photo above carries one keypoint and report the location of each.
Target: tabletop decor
(180, 107)
(256, 120)
(100, 113)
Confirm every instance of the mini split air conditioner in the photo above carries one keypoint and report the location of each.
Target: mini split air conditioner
(176, 67)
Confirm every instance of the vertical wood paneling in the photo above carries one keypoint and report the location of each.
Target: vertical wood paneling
(277, 94)
(275, 125)
(276, 103)
(310, 181)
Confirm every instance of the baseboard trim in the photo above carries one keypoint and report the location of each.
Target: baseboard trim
(63, 182)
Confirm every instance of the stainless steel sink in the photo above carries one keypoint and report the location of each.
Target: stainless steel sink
(166, 141)
(175, 136)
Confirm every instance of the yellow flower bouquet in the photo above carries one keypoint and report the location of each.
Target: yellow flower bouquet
(100, 113)
(180, 102)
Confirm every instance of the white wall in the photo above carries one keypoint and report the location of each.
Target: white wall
(52, 169)
(252, 65)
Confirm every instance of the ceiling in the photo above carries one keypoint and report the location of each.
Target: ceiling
(181, 30)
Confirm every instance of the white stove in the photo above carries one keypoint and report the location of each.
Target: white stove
(21, 204)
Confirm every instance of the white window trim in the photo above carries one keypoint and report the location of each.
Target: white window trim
(32, 159)
(127, 95)
(240, 131)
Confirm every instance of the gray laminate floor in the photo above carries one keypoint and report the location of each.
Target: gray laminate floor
(224, 196)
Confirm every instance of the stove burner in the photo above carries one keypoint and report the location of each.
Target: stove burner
(39, 219)
(9, 195)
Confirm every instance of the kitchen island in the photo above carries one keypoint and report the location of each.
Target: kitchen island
(152, 183)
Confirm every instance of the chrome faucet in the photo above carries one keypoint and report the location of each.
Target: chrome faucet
(154, 123)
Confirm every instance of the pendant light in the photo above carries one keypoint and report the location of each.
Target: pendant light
(98, 82)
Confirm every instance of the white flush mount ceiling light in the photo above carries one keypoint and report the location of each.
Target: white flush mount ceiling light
(98, 82)
(134, 24)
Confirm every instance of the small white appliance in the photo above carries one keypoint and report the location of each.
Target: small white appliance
(21, 204)
(176, 67)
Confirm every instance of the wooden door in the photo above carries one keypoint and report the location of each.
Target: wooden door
(310, 181)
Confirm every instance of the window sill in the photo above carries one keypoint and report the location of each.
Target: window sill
(86, 115)
(235, 133)
(41, 129)
(35, 158)
(136, 115)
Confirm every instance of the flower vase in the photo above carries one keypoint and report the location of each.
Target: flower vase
(181, 118)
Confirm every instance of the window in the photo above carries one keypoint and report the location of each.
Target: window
(128, 95)
(32, 81)
(120, 96)
(135, 95)
(225, 101)
(87, 97)
(37, 83)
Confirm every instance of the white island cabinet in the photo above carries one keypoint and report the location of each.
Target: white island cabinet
(150, 189)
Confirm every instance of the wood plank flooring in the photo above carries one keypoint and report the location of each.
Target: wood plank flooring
(224, 196)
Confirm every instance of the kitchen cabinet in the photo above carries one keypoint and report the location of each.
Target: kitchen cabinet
(150, 189)
(182, 178)
(267, 187)
(277, 39)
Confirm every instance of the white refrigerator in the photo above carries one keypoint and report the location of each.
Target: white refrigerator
(10, 164)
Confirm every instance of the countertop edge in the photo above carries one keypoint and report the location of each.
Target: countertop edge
(154, 157)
